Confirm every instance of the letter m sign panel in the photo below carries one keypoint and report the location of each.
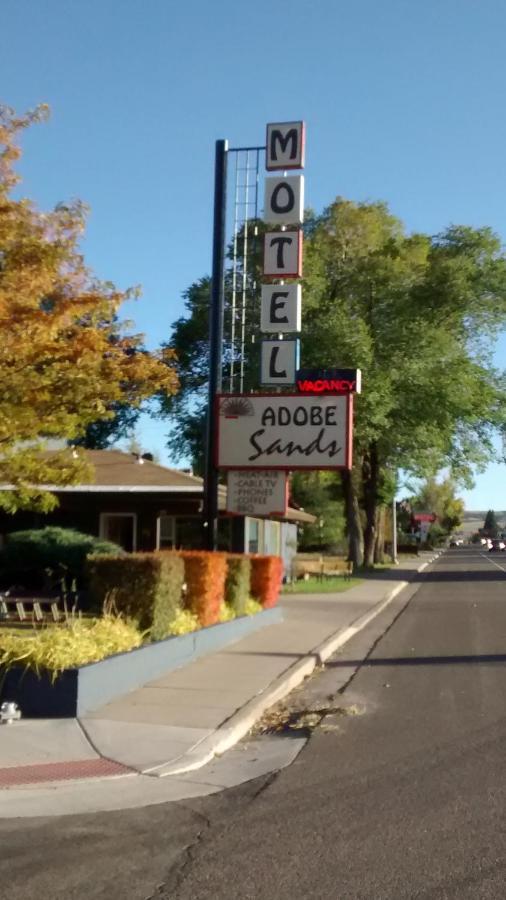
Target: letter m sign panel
(285, 146)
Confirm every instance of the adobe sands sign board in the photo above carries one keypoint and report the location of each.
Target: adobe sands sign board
(284, 431)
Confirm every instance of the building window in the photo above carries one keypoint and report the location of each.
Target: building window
(189, 533)
(120, 528)
(255, 542)
(224, 534)
(165, 532)
(274, 539)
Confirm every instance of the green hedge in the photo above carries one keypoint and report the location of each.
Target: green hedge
(37, 555)
(237, 584)
(145, 587)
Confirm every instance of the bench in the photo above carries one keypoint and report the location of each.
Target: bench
(306, 566)
(337, 565)
(25, 608)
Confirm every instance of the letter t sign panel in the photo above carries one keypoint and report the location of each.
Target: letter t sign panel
(283, 254)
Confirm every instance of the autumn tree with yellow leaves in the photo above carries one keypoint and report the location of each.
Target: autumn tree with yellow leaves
(65, 359)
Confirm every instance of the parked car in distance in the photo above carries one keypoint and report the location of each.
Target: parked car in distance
(456, 542)
(496, 544)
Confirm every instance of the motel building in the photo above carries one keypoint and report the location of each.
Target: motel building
(143, 506)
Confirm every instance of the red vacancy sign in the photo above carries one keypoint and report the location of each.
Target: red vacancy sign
(284, 431)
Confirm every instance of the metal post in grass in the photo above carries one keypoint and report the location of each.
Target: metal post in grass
(210, 510)
(394, 532)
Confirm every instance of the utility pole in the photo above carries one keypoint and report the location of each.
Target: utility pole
(394, 532)
(210, 511)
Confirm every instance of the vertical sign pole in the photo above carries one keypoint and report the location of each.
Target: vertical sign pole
(210, 512)
(394, 532)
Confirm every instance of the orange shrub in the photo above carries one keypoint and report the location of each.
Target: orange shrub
(266, 578)
(205, 574)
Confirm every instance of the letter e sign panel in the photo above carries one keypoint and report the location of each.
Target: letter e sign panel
(285, 146)
(281, 308)
(284, 431)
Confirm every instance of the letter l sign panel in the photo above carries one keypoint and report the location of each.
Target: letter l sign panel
(279, 362)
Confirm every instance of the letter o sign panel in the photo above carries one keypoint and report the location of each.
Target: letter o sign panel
(284, 200)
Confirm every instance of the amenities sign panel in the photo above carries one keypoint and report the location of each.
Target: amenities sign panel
(284, 431)
(257, 493)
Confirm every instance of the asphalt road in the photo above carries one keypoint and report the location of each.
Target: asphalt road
(399, 794)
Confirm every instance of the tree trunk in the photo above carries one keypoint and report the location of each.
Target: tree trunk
(354, 524)
(379, 544)
(370, 472)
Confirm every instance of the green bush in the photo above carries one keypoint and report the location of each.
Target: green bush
(436, 536)
(144, 587)
(31, 557)
(237, 584)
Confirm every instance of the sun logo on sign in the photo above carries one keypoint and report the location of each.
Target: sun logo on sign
(235, 407)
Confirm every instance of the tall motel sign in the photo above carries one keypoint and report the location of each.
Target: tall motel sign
(298, 418)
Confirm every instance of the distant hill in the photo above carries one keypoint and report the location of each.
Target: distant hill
(480, 514)
(473, 520)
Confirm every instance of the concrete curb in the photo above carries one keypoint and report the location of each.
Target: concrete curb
(238, 725)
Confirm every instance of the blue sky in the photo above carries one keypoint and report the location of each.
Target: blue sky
(403, 102)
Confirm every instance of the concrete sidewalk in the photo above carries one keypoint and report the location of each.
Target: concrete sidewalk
(178, 723)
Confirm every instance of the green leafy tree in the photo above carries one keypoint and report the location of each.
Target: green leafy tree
(491, 525)
(418, 314)
(439, 498)
(320, 493)
(186, 410)
(103, 433)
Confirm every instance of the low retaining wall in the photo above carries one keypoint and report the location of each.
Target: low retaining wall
(82, 690)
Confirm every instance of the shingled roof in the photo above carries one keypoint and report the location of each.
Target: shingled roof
(115, 471)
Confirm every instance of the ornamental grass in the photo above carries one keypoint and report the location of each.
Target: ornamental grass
(227, 613)
(184, 622)
(252, 607)
(75, 643)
